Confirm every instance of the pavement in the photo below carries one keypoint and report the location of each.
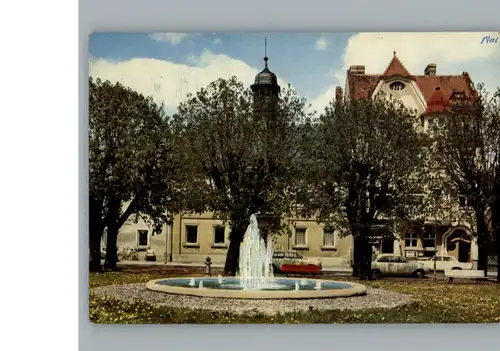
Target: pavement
(201, 265)
(333, 270)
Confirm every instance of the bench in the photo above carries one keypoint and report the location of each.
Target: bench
(478, 276)
(300, 269)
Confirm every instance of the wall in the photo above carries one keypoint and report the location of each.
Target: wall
(176, 248)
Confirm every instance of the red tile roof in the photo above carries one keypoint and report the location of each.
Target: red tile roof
(362, 85)
(437, 102)
(396, 68)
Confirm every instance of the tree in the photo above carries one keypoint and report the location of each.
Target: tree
(465, 143)
(247, 156)
(364, 172)
(132, 170)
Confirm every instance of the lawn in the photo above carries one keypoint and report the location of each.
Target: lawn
(435, 303)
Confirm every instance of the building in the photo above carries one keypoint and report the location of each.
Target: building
(192, 238)
(429, 94)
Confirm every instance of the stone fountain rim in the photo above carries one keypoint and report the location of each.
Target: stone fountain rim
(355, 289)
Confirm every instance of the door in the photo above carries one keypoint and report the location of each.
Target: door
(395, 265)
(400, 266)
(387, 246)
(446, 264)
(464, 251)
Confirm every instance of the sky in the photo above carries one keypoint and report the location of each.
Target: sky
(168, 66)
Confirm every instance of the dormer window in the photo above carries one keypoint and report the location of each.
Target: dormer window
(397, 86)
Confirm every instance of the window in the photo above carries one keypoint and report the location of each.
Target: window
(397, 86)
(446, 259)
(429, 239)
(142, 238)
(328, 237)
(192, 234)
(300, 237)
(278, 254)
(219, 234)
(293, 255)
(411, 240)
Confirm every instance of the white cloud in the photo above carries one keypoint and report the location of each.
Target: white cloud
(453, 53)
(217, 41)
(168, 82)
(172, 38)
(321, 44)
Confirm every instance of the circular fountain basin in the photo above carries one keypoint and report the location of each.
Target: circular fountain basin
(278, 288)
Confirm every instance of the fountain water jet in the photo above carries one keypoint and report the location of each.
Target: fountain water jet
(255, 263)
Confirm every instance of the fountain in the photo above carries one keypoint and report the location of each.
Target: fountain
(255, 278)
(255, 263)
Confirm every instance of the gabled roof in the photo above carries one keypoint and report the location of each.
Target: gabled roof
(396, 68)
(437, 102)
(362, 85)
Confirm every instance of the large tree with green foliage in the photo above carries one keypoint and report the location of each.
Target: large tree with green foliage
(247, 156)
(364, 172)
(466, 147)
(131, 164)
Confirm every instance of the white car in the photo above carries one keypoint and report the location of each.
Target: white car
(444, 263)
(389, 264)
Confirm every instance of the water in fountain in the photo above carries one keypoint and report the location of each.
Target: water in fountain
(219, 279)
(318, 285)
(191, 282)
(296, 286)
(200, 285)
(255, 263)
(303, 282)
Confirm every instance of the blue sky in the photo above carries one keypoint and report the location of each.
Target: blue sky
(169, 65)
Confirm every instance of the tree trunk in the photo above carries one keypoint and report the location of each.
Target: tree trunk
(111, 249)
(233, 253)
(365, 268)
(112, 224)
(482, 246)
(95, 233)
(355, 259)
(95, 251)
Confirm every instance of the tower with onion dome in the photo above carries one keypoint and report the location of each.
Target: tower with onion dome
(265, 89)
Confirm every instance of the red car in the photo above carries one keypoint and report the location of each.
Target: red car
(291, 262)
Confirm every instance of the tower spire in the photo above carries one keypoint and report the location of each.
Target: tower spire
(265, 51)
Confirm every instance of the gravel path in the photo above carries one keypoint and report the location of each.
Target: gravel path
(375, 298)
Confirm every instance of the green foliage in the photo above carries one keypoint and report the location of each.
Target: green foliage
(247, 156)
(364, 169)
(132, 167)
(434, 303)
(366, 164)
(466, 149)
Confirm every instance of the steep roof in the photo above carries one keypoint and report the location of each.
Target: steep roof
(396, 68)
(437, 101)
(362, 85)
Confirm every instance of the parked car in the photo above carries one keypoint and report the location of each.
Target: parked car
(445, 262)
(291, 262)
(390, 264)
(150, 255)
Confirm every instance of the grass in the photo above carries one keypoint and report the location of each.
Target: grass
(434, 303)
